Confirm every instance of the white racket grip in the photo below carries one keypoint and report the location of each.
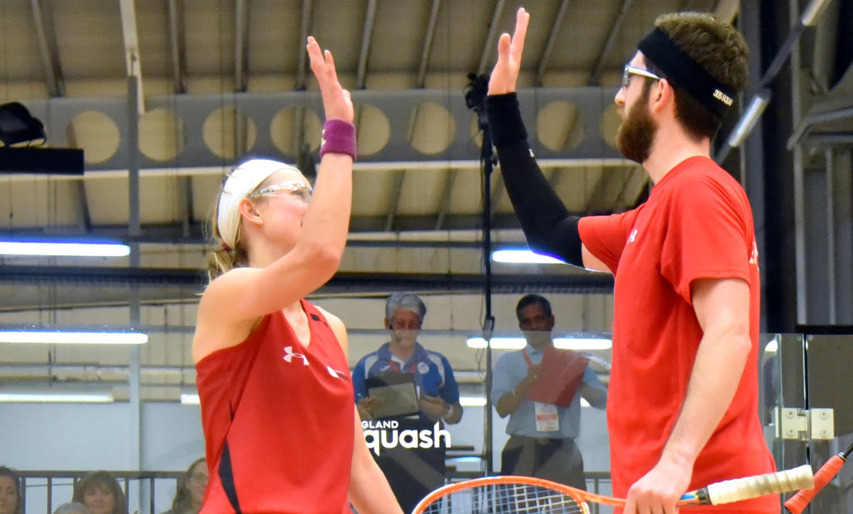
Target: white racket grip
(729, 491)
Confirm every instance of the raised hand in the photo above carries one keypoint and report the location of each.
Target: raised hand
(336, 100)
(505, 74)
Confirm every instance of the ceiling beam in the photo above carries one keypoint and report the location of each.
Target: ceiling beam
(491, 39)
(366, 38)
(241, 46)
(427, 45)
(394, 203)
(131, 49)
(185, 193)
(552, 40)
(611, 39)
(346, 284)
(175, 234)
(48, 49)
(300, 84)
(85, 218)
(301, 54)
(177, 46)
(447, 191)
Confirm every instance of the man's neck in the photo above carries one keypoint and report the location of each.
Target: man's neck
(402, 353)
(542, 346)
(672, 146)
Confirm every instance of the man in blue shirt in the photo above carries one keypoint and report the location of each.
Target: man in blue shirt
(411, 472)
(544, 418)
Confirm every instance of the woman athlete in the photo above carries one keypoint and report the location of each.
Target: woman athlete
(281, 430)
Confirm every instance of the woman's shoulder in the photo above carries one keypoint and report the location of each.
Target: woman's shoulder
(337, 326)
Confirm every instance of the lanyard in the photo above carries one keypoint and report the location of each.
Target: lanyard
(527, 358)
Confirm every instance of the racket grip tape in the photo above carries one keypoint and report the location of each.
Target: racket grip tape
(739, 489)
(797, 503)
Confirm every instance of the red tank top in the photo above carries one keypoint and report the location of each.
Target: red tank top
(278, 421)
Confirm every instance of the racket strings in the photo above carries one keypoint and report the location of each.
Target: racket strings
(506, 499)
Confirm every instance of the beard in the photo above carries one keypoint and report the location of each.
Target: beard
(637, 131)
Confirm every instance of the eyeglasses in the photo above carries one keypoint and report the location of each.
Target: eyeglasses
(633, 70)
(405, 325)
(292, 187)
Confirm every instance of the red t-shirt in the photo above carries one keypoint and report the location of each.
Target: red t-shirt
(696, 224)
(278, 421)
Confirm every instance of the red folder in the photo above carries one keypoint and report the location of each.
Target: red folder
(560, 374)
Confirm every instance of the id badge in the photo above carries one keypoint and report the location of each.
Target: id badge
(547, 419)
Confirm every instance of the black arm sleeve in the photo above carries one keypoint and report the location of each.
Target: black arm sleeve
(547, 224)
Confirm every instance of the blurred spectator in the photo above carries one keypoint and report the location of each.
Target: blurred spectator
(72, 508)
(411, 472)
(191, 488)
(100, 492)
(540, 387)
(10, 492)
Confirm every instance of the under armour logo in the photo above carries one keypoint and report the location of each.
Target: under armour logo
(335, 373)
(290, 355)
(633, 236)
(753, 255)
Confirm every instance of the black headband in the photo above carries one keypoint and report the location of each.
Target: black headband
(683, 71)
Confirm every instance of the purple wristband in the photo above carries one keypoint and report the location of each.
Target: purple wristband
(338, 137)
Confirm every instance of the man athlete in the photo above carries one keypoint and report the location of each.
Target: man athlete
(683, 393)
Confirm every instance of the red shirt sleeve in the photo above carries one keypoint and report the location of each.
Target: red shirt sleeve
(605, 236)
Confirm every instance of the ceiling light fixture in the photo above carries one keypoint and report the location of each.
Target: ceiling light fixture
(56, 397)
(480, 401)
(71, 337)
(518, 256)
(565, 343)
(472, 401)
(64, 248)
(190, 399)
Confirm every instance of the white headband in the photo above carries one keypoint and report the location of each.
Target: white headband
(242, 181)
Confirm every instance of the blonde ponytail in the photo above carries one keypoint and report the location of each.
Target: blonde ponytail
(223, 259)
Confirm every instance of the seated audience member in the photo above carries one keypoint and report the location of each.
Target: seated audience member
(191, 487)
(72, 508)
(101, 493)
(10, 492)
(411, 472)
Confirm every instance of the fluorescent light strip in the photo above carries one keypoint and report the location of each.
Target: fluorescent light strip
(190, 399)
(565, 343)
(523, 257)
(57, 337)
(56, 397)
(472, 401)
(42, 248)
(480, 401)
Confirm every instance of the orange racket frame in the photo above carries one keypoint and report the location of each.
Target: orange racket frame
(714, 494)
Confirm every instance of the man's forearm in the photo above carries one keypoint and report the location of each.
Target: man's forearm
(714, 380)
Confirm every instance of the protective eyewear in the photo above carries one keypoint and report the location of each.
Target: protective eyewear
(633, 70)
(290, 188)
